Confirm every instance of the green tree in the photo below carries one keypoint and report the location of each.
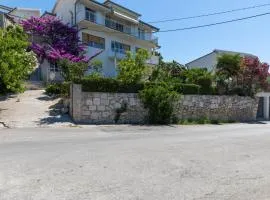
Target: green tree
(133, 68)
(16, 63)
(228, 68)
(200, 77)
(72, 70)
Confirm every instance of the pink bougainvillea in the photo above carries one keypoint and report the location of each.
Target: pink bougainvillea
(254, 73)
(54, 40)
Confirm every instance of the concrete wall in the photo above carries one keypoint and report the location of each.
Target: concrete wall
(101, 108)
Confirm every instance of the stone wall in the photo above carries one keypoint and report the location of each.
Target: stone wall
(218, 107)
(106, 108)
(110, 108)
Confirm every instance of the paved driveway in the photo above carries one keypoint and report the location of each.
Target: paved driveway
(130, 162)
(31, 109)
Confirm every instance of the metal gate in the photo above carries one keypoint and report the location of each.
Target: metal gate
(260, 112)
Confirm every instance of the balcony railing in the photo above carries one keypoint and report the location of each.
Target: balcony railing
(117, 26)
(112, 24)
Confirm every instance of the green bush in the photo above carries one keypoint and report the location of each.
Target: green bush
(187, 88)
(61, 89)
(159, 100)
(101, 84)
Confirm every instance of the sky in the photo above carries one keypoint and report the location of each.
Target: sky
(250, 36)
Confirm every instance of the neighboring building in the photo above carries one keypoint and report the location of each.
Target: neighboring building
(9, 16)
(108, 27)
(209, 61)
(5, 20)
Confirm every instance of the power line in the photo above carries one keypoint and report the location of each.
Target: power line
(210, 14)
(213, 24)
(180, 29)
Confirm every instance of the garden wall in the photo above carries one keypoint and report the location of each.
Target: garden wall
(110, 108)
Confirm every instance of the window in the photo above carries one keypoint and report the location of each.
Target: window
(119, 27)
(120, 47)
(54, 67)
(93, 41)
(141, 34)
(90, 15)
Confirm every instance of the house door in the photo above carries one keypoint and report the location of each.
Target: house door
(36, 75)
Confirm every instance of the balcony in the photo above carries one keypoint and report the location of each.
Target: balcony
(117, 53)
(117, 26)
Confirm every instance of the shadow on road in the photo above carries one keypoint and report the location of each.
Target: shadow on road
(56, 115)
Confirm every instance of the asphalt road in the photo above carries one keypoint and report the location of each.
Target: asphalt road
(141, 163)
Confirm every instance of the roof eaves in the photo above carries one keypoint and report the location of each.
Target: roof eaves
(48, 13)
(6, 8)
(109, 1)
(200, 57)
(151, 26)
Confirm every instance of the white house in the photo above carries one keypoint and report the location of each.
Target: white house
(110, 28)
(209, 61)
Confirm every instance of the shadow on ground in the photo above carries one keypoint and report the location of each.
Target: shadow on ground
(55, 115)
(46, 98)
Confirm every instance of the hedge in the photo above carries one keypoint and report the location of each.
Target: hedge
(58, 89)
(108, 85)
(114, 86)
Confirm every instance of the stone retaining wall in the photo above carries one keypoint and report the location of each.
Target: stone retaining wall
(110, 108)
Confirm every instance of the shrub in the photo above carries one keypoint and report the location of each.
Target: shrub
(187, 88)
(160, 101)
(101, 84)
(61, 89)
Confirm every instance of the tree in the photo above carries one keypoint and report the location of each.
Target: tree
(16, 63)
(243, 76)
(54, 39)
(253, 75)
(133, 67)
(72, 71)
(228, 68)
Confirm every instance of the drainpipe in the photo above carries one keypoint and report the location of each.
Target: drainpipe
(75, 12)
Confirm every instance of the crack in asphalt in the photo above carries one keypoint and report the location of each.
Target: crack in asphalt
(4, 124)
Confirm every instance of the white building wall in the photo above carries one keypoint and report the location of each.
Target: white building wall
(64, 10)
(109, 68)
(209, 61)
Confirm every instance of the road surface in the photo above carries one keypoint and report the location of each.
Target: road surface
(136, 163)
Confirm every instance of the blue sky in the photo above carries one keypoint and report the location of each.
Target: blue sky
(251, 36)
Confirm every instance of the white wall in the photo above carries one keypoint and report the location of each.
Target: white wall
(64, 9)
(108, 62)
(209, 61)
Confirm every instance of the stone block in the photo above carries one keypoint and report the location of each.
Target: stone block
(92, 108)
(86, 112)
(104, 102)
(104, 96)
(89, 102)
(97, 101)
(101, 108)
